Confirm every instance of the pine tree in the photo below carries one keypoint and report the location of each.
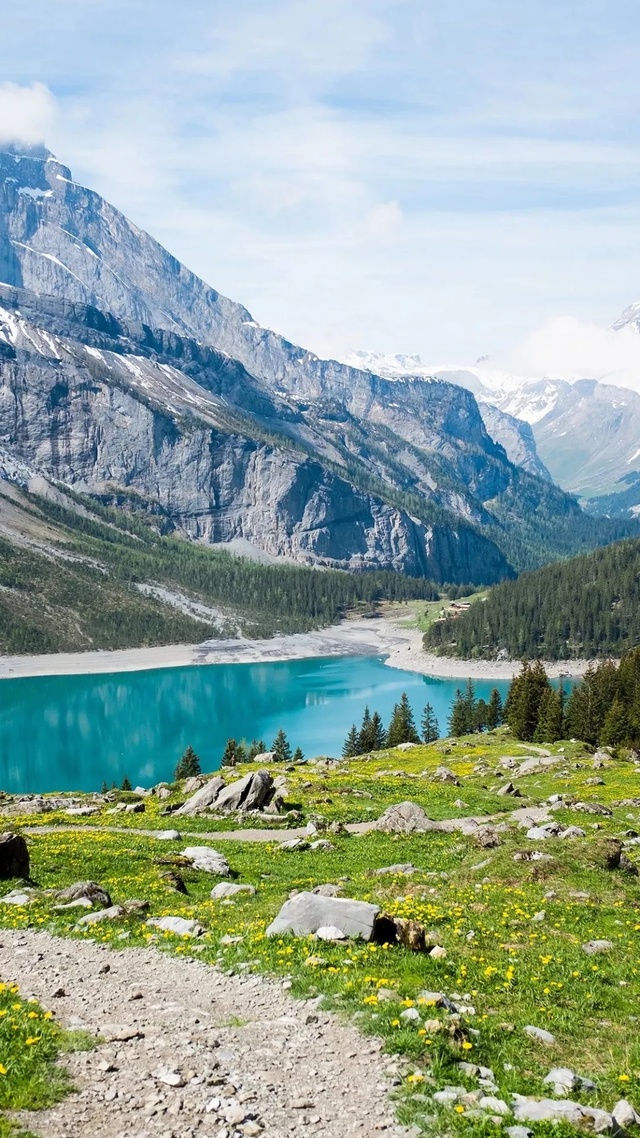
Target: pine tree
(125, 784)
(616, 728)
(188, 766)
(402, 728)
(350, 748)
(480, 715)
(550, 718)
(458, 716)
(104, 789)
(494, 710)
(526, 693)
(430, 725)
(365, 736)
(230, 754)
(378, 733)
(281, 748)
(298, 755)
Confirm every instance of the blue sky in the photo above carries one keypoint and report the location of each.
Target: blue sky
(396, 175)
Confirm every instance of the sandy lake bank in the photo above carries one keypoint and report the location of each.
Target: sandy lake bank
(377, 637)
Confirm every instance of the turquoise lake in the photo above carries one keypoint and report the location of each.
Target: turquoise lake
(73, 732)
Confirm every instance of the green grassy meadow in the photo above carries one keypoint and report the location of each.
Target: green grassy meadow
(512, 929)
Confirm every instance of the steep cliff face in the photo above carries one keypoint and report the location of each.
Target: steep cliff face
(120, 366)
(105, 422)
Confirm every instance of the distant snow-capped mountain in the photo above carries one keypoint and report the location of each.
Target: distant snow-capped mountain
(583, 434)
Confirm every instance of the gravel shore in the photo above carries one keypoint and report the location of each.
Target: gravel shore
(376, 637)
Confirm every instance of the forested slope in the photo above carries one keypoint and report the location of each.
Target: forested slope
(587, 606)
(77, 575)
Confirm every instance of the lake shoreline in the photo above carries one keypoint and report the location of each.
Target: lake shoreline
(379, 636)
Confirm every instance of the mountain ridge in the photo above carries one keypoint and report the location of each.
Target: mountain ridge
(235, 433)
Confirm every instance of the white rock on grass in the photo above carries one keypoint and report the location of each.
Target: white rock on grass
(330, 932)
(168, 836)
(17, 897)
(207, 859)
(412, 1015)
(518, 1132)
(539, 1034)
(494, 1105)
(110, 914)
(561, 1110)
(625, 1115)
(178, 925)
(228, 889)
(592, 947)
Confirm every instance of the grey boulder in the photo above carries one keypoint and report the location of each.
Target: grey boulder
(178, 925)
(405, 818)
(228, 889)
(563, 1110)
(90, 890)
(207, 859)
(539, 1034)
(249, 793)
(203, 798)
(110, 914)
(307, 912)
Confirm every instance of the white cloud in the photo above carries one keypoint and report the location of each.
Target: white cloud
(27, 114)
(568, 348)
(384, 220)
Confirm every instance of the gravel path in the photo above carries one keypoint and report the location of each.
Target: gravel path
(524, 815)
(190, 1052)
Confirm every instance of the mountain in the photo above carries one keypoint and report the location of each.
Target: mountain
(126, 377)
(584, 435)
(584, 607)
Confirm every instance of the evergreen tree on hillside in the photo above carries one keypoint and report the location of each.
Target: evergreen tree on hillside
(232, 754)
(526, 693)
(480, 715)
(550, 717)
(459, 715)
(402, 728)
(495, 711)
(188, 766)
(126, 784)
(350, 748)
(281, 748)
(378, 733)
(430, 725)
(616, 728)
(298, 755)
(365, 736)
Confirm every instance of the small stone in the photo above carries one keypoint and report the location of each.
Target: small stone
(539, 1034)
(624, 1114)
(171, 1078)
(438, 953)
(494, 1105)
(301, 1104)
(518, 1132)
(168, 836)
(592, 947)
(330, 933)
(410, 1014)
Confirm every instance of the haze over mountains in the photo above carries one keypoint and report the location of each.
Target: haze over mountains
(123, 375)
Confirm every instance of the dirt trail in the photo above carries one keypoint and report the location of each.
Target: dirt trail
(252, 1060)
(524, 815)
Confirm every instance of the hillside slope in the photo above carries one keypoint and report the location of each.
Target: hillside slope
(588, 606)
(76, 575)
